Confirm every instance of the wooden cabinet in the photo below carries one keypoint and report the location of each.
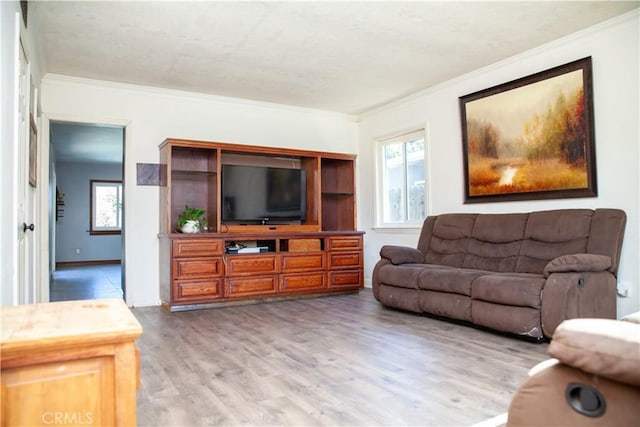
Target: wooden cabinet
(345, 261)
(318, 254)
(197, 270)
(69, 363)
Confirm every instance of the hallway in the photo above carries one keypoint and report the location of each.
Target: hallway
(87, 282)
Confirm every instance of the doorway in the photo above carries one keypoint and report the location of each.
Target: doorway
(86, 220)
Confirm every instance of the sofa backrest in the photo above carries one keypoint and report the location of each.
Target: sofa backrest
(521, 242)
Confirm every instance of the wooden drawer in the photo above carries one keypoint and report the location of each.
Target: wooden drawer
(304, 245)
(345, 279)
(303, 262)
(198, 247)
(194, 268)
(344, 243)
(345, 260)
(197, 290)
(250, 286)
(302, 282)
(251, 264)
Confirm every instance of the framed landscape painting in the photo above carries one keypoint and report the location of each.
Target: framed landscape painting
(531, 138)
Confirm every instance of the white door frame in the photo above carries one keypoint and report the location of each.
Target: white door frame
(44, 213)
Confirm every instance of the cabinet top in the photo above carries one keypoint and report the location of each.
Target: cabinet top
(64, 324)
(254, 149)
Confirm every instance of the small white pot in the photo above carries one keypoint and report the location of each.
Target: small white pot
(191, 226)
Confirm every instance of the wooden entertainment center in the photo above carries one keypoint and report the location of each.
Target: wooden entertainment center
(321, 254)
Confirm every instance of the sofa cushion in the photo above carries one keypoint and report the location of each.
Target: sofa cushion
(605, 347)
(449, 279)
(577, 263)
(401, 276)
(401, 254)
(449, 239)
(550, 234)
(445, 304)
(509, 289)
(495, 242)
(523, 321)
(405, 299)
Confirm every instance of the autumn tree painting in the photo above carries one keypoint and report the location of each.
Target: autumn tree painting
(532, 138)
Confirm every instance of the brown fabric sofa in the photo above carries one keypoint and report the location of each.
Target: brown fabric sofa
(593, 378)
(521, 273)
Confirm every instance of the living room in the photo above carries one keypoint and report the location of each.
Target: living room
(152, 114)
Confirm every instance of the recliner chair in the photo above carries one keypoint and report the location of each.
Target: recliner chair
(593, 378)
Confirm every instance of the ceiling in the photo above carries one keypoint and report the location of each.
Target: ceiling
(340, 56)
(76, 142)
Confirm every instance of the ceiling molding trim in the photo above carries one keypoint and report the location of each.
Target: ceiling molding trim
(174, 93)
(634, 15)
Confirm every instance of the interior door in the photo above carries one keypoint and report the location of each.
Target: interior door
(26, 194)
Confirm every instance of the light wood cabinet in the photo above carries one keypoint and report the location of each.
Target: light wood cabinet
(321, 253)
(69, 363)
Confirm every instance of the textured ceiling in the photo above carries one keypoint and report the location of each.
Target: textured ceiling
(339, 56)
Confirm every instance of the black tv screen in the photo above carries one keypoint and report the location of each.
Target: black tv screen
(263, 194)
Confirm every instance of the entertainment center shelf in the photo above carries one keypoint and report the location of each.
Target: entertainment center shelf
(305, 244)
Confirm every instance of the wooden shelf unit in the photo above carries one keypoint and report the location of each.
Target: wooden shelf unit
(321, 254)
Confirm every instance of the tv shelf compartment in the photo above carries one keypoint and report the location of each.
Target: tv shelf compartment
(320, 255)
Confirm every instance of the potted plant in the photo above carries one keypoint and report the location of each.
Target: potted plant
(191, 220)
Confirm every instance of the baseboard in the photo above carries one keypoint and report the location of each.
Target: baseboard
(497, 421)
(86, 263)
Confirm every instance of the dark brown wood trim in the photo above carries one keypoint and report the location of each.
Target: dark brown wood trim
(87, 263)
(104, 233)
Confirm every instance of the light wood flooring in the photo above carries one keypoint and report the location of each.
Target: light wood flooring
(335, 361)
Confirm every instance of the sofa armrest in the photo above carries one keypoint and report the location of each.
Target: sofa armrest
(578, 263)
(604, 347)
(401, 254)
(570, 295)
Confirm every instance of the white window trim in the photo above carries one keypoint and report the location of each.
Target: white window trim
(93, 230)
(406, 227)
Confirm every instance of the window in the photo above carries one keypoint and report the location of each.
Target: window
(106, 207)
(401, 177)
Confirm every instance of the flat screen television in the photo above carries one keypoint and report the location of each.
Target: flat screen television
(260, 194)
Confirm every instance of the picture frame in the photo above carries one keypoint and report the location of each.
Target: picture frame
(531, 138)
(33, 152)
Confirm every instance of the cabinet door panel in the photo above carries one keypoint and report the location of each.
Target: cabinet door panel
(75, 392)
(193, 268)
(198, 247)
(247, 264)
(302, 262)
(345, 243)
(345, 279)
(198, 290)
(345, 260)
(302, 282)
(251, 286)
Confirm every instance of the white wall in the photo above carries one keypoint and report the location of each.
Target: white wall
(151, 115)
(71, 230)
(614, 48)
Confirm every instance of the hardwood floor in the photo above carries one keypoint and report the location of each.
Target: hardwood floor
(335, 361)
